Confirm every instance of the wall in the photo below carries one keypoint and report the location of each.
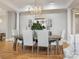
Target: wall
(11, 23)
(8, 22)
(4, 23)
(77, 24)
(24, 22)
(59, 21)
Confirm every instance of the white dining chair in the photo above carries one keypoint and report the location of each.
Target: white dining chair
(14, 35)
(28, 39)
(43, 41)
(62, 38)
(60, 42)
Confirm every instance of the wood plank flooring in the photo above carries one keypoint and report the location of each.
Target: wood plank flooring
(6, 52)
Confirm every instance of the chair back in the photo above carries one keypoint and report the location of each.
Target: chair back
(28, 37)
(42, 36)
(63, 34)
(14, 32)
(62, 37)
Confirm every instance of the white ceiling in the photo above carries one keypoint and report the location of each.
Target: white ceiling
(20, 5)
(75, 4)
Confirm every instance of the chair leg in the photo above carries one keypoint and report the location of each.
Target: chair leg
(32, 49)
(37, 49)
(17, 46)
(51, 49)
(48, 51)
(60, 49)
(23, 48)
(22, 44)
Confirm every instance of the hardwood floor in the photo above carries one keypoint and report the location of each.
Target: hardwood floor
(6, 52)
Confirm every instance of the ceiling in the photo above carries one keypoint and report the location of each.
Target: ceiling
(75, 4)
(21, 5)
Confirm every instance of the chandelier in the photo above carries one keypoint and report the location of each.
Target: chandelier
(37, 8)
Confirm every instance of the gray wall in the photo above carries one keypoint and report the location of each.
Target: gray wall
(77, 24)
(3, 24)
(59, 21)
(11, 23)
(8, 23)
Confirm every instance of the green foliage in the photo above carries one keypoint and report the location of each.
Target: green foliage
(37, 26)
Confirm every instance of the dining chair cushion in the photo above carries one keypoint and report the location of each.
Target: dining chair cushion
(53, 43)
(19, 41)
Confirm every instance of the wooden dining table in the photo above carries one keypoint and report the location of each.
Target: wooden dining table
(52, 38)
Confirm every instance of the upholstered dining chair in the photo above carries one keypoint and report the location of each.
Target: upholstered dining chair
(28, 39)
(62, 38)
(60, 42)
(16, 39)
(43, 41)
(14, 33)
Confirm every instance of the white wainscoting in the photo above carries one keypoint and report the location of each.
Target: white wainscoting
(77, 43)
(74, 41)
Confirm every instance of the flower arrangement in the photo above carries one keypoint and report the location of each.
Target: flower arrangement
(37, 26)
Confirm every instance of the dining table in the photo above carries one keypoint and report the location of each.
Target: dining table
(52, 38)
